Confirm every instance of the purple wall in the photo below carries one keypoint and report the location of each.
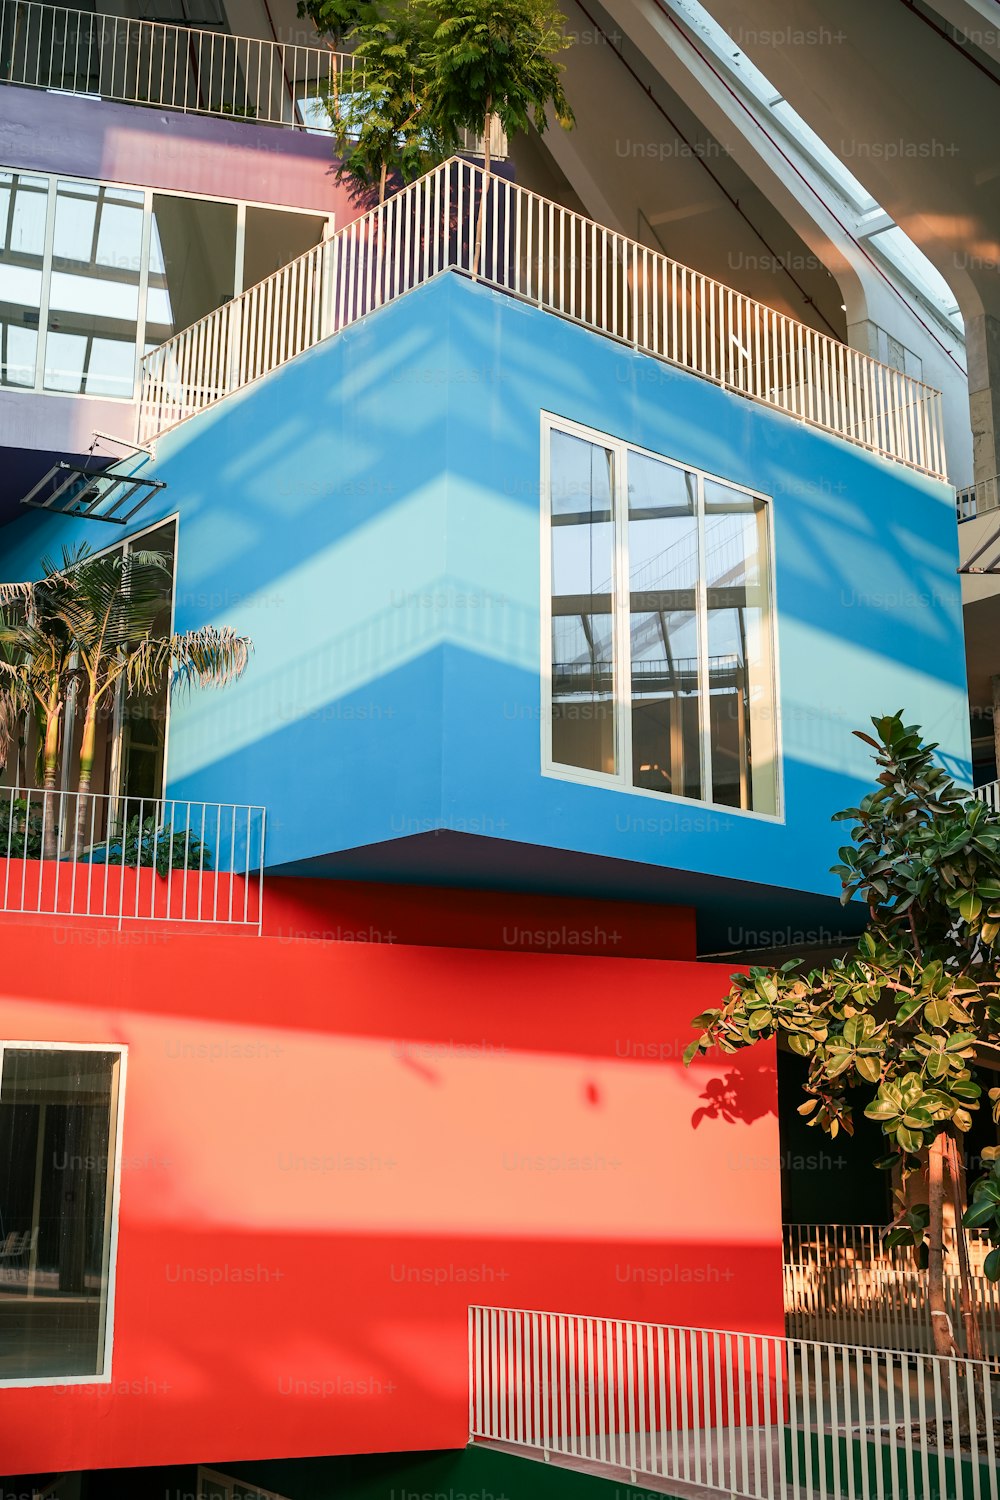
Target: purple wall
(165, 149)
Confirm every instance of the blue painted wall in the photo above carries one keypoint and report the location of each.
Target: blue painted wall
(369, 515)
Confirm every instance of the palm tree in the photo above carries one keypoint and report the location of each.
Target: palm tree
(112, 608)
(36, 660)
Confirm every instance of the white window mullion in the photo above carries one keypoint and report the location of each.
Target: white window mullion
(704, 703)
(46, 288)
(241, 241)
(623, 621)
(140, 322)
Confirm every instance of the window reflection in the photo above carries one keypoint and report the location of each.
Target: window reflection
(274, 238)
(583, 712)
(663, 582)
(58, 1122)
(23, 203)
(192, 263)
(739, 649)
(94, 296)
(95, 271)
(669, 688)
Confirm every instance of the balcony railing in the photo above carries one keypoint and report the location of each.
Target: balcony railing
(736, 1414)
(169, 67)
(78, 854)
(990, 794)
(533, 249)
(843, 1286)
(974, 500)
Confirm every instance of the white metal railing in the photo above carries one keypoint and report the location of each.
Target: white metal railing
(990, 794)
(740, 1414)
(851, 1245)
(131, 858)
(974, 500)
(536, 250)
(172, 67)
(881, 1305)
(843, 1285)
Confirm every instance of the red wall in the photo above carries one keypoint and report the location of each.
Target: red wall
(332, 1148)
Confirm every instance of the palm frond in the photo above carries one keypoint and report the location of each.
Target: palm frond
(209, 657)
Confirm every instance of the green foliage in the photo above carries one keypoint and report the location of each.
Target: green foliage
(336, 19)
(425, 71)
(901, 1020)
(20, 830)
(498, 57)
(382, 123)
(154, 844)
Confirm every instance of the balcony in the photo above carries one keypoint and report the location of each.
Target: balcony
(185, 68)
(163, 66)
(974, 500)
(457, 219)
(131, 859)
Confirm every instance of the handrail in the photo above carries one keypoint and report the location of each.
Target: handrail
(535, 250)
(729, 1413)
(94, 854)
(190, 69)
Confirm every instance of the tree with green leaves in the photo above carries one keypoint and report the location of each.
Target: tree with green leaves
(496, 60)
(384, 123)
(908, 1023)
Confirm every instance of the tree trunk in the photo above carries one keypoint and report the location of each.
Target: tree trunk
(487, 181)
(88, 747)
(50, 775)
(970, 1312)
(381, 183)
(941, 1331)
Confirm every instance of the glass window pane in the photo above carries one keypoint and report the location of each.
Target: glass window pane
(274, 238)
(737, 567)
(23, 206)
(582, 530)
(94, 299)
(663, 588)
(192, 263)
(57, 1132)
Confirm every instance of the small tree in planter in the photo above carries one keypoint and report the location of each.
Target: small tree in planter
(496, 59)
(904, 1020)
(384, 124)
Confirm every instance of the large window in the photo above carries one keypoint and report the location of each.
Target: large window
(130, 747)
(60, 1133)
(657, 596)
(93, 275)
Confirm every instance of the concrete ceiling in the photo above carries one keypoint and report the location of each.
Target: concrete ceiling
(908, 96)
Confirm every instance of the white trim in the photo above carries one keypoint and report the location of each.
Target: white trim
(118, 1106)
(620, 781)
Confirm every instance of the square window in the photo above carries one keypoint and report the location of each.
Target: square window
(60, 1115)
(657, 597)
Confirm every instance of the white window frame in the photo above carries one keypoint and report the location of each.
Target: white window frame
(110, 1208)
(53, 179)
(620, 781)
